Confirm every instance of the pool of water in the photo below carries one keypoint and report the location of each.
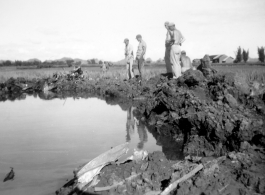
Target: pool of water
(44, 140)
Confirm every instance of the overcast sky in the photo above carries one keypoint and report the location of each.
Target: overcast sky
(52, 29)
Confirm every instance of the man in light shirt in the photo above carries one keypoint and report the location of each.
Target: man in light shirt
(176, 39)
(129, 58)
(140, 55)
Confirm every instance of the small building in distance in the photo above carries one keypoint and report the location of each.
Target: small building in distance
(221, 59)
(212, 57)
(228, 59)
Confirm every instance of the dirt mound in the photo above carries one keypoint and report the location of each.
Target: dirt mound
(205, 114)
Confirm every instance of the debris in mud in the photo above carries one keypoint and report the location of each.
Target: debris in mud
(75, 74)
(75, 82)
(206, 67)
(155, 174)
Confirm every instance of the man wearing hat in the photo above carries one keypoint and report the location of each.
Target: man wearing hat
(176, 39)
(140, 54)
(129, 58)
(185, 62)
(167, 52)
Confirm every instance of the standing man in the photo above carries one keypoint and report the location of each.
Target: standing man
(140, 55)
(129, 58)
(167, 52)
(104, 67)
(185, 62)
(176, 39)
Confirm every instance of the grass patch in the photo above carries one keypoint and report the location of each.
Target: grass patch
(245, 74)
(115, 72)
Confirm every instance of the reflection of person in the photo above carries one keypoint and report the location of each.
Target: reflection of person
(176, 39)
(142, 132)
(185, 62)
(140, 55)
(130, 124)
(129, 59)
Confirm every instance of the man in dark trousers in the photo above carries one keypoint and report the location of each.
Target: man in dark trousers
(140, 55)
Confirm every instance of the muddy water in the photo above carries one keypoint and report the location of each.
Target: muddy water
(45, 140)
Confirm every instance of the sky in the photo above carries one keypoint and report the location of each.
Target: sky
(52, 29)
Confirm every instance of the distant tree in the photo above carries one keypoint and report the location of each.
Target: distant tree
(69, 62)
(89, 62)
(94, 61)
(60, 62)
(148, 60)
(159, 60)
(245, 55)
(26, 63)
(77, 63)
(7, 63)
(238, 55)
(18, 63)
(261, 54)
(36, 62)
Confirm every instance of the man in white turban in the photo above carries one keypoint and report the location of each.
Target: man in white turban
(176, 39)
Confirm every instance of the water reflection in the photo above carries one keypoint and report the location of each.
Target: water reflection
(47, 95)
(134, 125)
(61, 134)
(45, 140)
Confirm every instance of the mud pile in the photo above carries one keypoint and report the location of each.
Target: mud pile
(205, 114)
(74, 82)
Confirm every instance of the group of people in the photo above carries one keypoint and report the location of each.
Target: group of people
(140, 57)
(176, 60)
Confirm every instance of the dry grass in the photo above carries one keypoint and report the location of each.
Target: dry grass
(243, 74)
(247, 73)
(89, 72)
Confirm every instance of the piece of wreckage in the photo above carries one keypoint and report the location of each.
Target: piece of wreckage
(23, 86)
(74, 75)
(141, 173)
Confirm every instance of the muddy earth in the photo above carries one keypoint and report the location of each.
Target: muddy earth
(215, 124)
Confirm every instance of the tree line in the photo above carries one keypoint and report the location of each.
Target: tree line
(243, 55)
(47, 63)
